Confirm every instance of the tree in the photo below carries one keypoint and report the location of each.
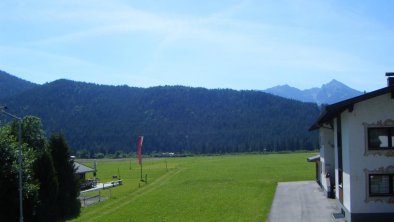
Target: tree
(9, 203)
(67, 202)
(42, 207)
(42, 182)
(32, 132)
(33, 142)
(45, 173)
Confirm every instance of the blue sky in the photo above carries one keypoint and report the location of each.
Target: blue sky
(238, 44)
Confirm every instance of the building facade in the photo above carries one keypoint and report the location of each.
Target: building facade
(357, 155)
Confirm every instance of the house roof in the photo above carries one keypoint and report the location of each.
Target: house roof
(313, 158)
(332, 111)
(80, 168)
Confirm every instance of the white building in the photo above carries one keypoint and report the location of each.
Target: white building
(356, 161)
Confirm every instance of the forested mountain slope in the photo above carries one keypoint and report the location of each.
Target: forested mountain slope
(11, 85)
(171, 118)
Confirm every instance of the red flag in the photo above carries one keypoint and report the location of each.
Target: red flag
(139, 145)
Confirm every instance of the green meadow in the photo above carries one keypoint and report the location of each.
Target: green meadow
(209, 188)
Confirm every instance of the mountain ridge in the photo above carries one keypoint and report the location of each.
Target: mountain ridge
(329, 93)
(11, 85)
(104, 118)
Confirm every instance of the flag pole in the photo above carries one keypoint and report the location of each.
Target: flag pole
(139, 145)
(141, 172)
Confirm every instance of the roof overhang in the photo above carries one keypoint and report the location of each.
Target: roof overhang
(332, 111)
(80, 168)
(314, 158)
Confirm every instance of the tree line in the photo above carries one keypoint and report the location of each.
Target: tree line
(50, 185)
(105, 119)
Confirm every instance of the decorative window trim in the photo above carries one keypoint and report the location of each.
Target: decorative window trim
(382, 152)
(383, 171)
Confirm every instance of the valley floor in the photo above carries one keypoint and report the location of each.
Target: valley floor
(210, 188)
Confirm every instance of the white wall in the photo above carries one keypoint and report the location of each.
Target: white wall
(327, 157)
(346, 153)
(345, 166)
(336, 159)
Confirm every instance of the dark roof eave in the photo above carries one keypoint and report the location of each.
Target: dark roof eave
(314, 127)
(335, 109)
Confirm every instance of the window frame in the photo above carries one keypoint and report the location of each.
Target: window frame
(389, 133)
(391, 185)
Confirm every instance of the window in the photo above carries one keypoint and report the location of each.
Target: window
(381, 184)
(380, 138)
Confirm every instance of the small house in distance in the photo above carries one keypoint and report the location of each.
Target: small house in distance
(356, 164)
(81, 171)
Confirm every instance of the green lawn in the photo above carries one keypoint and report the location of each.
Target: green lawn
(218, 188)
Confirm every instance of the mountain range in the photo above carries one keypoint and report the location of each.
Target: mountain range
(329, 93)
(102, 118)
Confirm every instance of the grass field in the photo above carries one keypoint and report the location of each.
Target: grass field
(217, 188)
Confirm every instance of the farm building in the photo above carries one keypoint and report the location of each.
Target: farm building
(356, 163)
(81, 171)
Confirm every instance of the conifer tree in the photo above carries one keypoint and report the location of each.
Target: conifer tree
(68, 205)
(48, 192)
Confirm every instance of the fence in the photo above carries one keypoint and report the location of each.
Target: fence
(90, 200)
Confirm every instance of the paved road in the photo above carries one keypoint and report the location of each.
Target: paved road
(301, 202)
